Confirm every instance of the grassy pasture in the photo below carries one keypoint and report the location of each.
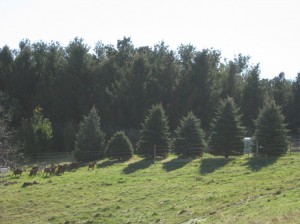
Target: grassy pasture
(207, 190)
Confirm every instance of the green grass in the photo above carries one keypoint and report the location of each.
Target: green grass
(207, 190)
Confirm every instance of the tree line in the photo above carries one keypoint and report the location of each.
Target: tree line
(46, 85)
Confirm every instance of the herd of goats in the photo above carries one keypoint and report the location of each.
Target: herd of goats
(50, 170)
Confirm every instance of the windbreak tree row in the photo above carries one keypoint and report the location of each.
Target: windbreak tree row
(124, 81)
(226, 138)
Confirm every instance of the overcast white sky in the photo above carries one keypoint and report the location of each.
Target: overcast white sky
(267, 30)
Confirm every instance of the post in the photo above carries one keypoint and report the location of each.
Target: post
(154, 151)
(256, 154)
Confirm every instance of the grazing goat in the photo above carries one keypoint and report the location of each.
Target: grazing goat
(61, 169)
(4, 170)
(17, 172)
(47, 170)
(33, 172)
(52, 169)
(92, 165)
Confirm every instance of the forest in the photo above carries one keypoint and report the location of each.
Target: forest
(52, 85)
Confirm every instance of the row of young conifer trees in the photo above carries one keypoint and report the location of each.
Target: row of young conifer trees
(189, 139)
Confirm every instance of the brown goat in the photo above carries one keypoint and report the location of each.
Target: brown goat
(52, 169)
(47, 170)
(61, 169)
(33, 172)
(92, 165)
(17, 172)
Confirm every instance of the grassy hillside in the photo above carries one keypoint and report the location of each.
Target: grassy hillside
(207, 190)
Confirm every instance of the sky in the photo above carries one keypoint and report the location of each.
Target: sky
(266, 30)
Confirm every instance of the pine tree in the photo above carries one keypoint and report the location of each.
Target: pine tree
(271, 131)
(36, 134)
(119, 147)
(90, 138)
(227, 132)
(252, 98)
(189, 139)
(155, 132)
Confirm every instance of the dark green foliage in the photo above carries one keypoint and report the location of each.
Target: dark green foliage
(252, 98)
(294, 118)
(36, 134)
(282, 91)
(10, 151)
(271, 131)
(119, 147)
(227, 131)
(190, 138)
(90, 138)
(6, 68)
(199, 89)
(155, 132)
(69, 137)
(124, 81)
(233, 82)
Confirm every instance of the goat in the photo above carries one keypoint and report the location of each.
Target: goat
(61, 169)
(52, 169)
(92, 165)
(33, 172)
(47, 170)
(17, 172)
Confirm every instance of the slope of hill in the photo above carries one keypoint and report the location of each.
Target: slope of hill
(207, 190)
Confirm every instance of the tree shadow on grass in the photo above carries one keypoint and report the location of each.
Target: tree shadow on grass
(257, 163)
(139, 165)
(176, 163)
(111, 162)
(210, 165)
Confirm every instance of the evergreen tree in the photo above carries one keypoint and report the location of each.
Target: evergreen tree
(294, 118)
(155, 132)
(36, 134)
(90, 138)
(252, 98)
(119, 147)
(189, 139)
(6, 68)
(271, 131)
(227, 131)
(283, 93)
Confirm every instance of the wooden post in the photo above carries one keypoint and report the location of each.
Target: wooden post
(154, 149)
(256, 148)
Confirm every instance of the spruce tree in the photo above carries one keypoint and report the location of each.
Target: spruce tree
(90, 138)
(189, 139)
(119, 147)
(155, 132)
(271, 131)
(36, 134)
(227, 131)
